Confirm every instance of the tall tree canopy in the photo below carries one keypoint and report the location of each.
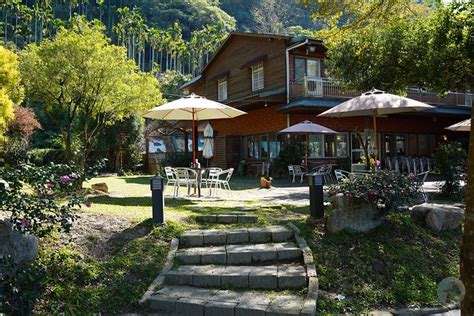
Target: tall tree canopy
(84, 84)
(433, 51)
(10, 89)
(398, 44)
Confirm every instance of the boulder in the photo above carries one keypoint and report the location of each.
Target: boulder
(22, 248)
(438, 217)
(102, 186)
(352, 215)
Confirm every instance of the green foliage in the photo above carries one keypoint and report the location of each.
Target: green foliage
(41, 199)
(21, 286)
(388, 188)
(290, 154)
(85, 84)
(81, 284)
(451, 161)
(120, 144)
(392, 265)
(170, 82)
(408, 52)
(192, 15)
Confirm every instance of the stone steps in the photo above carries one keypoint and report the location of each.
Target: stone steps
(250, 277)
(228, 218)
(214, 237)
(194, 301)
(242, 254)
(220, 272)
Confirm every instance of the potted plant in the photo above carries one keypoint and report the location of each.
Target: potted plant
(265, 183)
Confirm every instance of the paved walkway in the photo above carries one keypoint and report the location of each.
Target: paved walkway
(282, 194)
(238, 271)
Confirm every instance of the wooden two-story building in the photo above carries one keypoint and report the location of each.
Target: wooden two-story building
(280, 81)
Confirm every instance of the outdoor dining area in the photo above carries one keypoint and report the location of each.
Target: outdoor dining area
(197, 179)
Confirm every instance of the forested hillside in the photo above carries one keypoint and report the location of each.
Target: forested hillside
(172, 39)
(169, 34)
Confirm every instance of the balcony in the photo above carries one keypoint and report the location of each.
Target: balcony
(327, 88)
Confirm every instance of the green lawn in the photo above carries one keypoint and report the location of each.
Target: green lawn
(396, 265)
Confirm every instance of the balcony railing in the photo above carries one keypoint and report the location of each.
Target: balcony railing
(327, 88)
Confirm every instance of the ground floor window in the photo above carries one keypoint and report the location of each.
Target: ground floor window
(268, 146)
(262, 146)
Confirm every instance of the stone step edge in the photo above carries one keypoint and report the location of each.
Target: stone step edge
(225, 301)
(265, 234)
(308, 261)
(243, 254)
(160, 279)
(271, 277)
(227, 218)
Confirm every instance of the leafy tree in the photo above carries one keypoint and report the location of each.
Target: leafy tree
(10, 89)
(434, 48)
(170, 83)
(432, 51)
(85, 84)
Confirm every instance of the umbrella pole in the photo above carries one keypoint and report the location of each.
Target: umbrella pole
(307, 148)
(194, 140)
(375, 137)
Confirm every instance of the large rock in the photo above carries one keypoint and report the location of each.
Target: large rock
(22, 248)
(438, 217)
(102, 186)
(352, 215)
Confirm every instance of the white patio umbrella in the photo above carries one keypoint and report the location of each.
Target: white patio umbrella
(375, 103)
(307, 127)
(193, 108)
(208, 150)
(464, 126)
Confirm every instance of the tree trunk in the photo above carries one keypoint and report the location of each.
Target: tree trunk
(467, 248)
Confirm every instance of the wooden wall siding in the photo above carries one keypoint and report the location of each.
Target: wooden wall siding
(239, 51)
(392, 123)
(220, 158)
(233, 149)
(261, 120)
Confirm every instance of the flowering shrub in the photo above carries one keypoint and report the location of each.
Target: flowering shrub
(41, 199)
(387, 188)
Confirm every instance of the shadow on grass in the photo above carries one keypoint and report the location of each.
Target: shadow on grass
(138, 201)
(248, 183)
(145, 180)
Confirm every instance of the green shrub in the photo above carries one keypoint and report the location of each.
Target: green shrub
(451, 161)
(387, 188)
(291, 153)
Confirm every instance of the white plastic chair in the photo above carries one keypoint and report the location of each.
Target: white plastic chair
(296, 171)
(223, 183)
(211, 176)
(326, 172)
(420, 180)
(342, 175)
(170, 174)
(185, 177)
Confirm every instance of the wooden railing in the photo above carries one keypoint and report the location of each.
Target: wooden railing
(328, 88)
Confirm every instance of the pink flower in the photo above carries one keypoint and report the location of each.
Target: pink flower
(64, 179)
(88, 203)
(371, 193)
(49, 186)
(25, 223)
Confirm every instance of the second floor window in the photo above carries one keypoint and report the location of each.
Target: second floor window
(257, 76)
(222, 89)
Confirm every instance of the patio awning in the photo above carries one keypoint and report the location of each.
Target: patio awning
(310, 103)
